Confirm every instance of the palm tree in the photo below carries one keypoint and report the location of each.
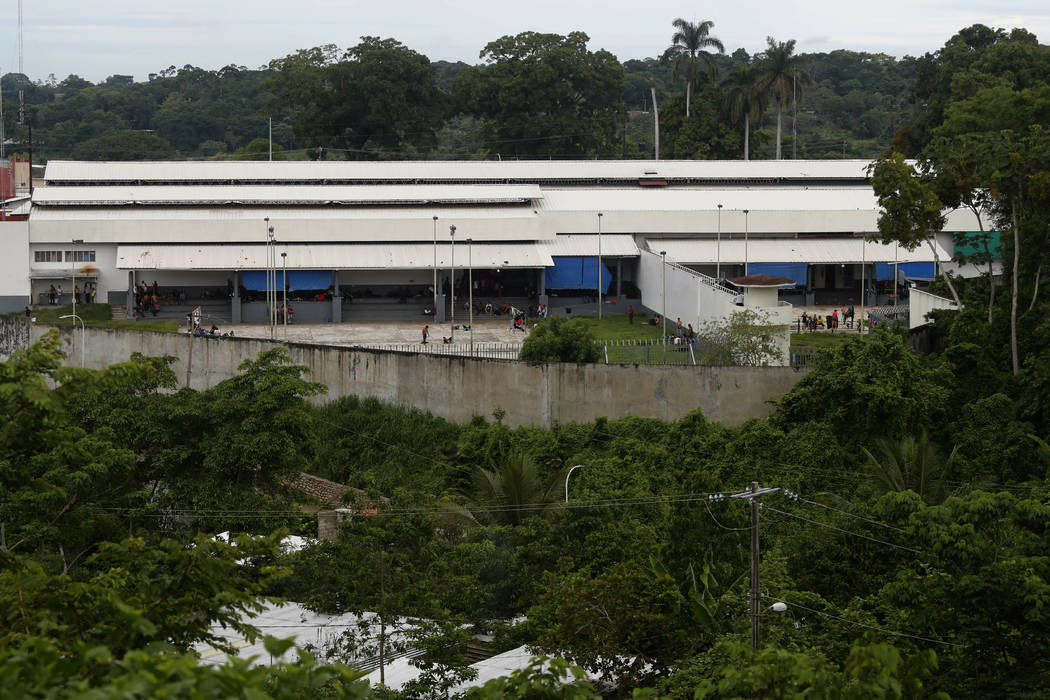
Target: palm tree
(782, 73)
(745, 99)
(508, 494)
(687, 51)
(914, 464)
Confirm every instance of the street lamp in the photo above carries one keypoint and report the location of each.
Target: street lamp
(663, 299)
(578, 466)
(470, 290)
(745, 241)
(599, 266)
(82, 335)
(284, 285)
(718, 247)
(73, 291)
(452, 318)
(435, 265)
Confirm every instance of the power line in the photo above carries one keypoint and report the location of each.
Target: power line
(839, 529)
(853, 515)
(861, 624)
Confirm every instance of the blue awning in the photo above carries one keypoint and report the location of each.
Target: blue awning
(913, 270)
(577, 272)
(255, 280)
(793, 271)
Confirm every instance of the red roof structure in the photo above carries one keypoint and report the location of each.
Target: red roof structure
(761, 280)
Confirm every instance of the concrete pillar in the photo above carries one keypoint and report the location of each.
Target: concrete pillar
(619, 278)
(337, 299)
(441, 313)
(542, 288)
(129, 302)
(235, 300)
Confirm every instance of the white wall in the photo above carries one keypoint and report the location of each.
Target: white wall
(921, 303)
(14, 265)
(688, 297)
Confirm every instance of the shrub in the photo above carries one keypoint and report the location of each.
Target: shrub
(556, 340)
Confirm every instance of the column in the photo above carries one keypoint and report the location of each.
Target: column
(129, 302)
(235, 300)
(337, 299)
(619, 278)
(441, 313)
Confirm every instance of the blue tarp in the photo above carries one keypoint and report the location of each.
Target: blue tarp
(793, 271)
(574, 272)
(914, 270)
(255, 280)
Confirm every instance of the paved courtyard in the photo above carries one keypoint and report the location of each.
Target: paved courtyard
(486, 332)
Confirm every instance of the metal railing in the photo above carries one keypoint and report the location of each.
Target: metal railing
(460, 348)
(649, 352)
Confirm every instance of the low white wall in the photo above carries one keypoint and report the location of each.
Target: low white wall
(921, 303)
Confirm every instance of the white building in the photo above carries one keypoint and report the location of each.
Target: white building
(370, 228)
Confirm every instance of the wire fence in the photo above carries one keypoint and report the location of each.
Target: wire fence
(488, 351)
(650, 352)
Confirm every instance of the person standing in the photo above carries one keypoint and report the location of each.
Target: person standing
(51, 293)
(60, 295)
(426, 334)
(630, 314)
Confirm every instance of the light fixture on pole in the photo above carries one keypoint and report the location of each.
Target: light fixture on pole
(599, 266)
(663, 299)
(267, 232)
(452, 318)
(574, 468)
(435, 264)
(82, 334)
(745, 241)
(73, 291)
(284, 289)
(470, 291)
(718, 247)
(271, 283)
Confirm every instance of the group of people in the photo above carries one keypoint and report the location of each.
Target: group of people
(147, 298)
(85, 296)
(812, 322)
(684, 335)
(212, 332)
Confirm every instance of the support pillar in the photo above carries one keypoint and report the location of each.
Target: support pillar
(235, 300)
(129, 302)
(337, 299)
(441, 312)
(619, 278)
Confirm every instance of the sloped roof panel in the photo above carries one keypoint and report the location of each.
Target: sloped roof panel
(788, 250)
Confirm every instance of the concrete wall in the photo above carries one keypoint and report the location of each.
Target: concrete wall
(14, 265)
(689, 297)
(922, 303)
(455, 388)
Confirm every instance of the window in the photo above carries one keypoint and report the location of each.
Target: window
(47, 256)
(80, 256)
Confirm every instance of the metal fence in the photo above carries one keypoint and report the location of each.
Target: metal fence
(802, 357)
(488, 351)
(649, 352)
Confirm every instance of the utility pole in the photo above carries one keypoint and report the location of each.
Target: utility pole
(753, 495)
(656, 120)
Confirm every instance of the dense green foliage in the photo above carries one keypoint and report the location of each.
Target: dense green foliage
(381, 99)
(556, 339)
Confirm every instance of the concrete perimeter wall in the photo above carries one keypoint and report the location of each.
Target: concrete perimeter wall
(451, 387)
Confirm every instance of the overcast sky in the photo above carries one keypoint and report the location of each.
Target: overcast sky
(97, 38)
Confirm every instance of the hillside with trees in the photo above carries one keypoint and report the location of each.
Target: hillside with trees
(381, 99)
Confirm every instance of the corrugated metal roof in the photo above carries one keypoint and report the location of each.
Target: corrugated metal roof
(616, 245)
(788, 250)
(278, 215)
(203, 195)
(349, 256)
(420, 171)
(733, 200)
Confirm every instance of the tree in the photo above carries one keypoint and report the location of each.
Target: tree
(782, 72)
(514, 491)
(376, 99)
(911, 212)
(687, 52)
(544, 95)
(913, 463)
(745, 339)
(124, 144)
(745, 99)
(554, 339)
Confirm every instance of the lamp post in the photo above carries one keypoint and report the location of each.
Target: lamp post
(82, 334)
(470, 291)
(663, 299)
(599, 266)
(718, 247)
(435, 265)
(284, 285)
(452, 318)
(578, 466)
(73, 291)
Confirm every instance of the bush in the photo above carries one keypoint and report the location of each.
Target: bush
(556, 340)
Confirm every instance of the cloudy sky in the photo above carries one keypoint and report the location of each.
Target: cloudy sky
(98, 38)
